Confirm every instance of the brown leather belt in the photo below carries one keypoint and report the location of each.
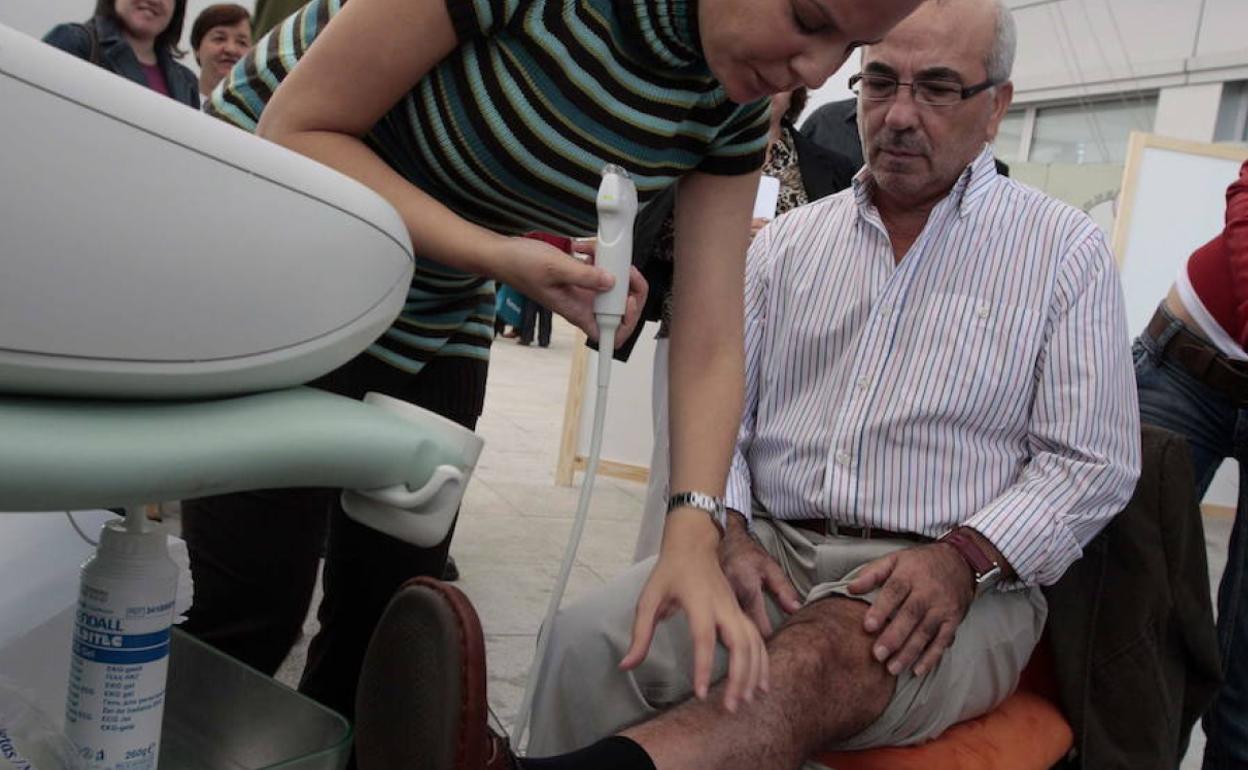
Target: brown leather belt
(1199, 358)
(828, 527)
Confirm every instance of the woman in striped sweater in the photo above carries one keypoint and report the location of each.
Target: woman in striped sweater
(480, 120)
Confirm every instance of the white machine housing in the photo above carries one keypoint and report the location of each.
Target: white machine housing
(169, 254)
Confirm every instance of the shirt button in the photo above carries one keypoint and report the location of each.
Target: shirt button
(844, 458)
(885, 311)
(862, 383)
(982, 312)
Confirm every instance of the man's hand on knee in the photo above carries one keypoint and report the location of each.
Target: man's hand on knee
(924, 593)
(750, 570)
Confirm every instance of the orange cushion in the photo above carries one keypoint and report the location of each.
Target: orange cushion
(1026, 732)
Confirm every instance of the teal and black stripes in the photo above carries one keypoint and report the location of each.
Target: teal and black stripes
(512, 129)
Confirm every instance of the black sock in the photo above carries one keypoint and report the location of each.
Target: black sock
(614, 753)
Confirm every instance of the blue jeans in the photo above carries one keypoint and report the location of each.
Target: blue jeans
(1215, 429)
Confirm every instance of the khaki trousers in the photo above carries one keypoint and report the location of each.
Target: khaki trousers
(582, 695)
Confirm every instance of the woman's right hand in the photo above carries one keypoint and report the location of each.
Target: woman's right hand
(691, 579)
(562, 283)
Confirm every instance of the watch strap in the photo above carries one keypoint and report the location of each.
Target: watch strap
(986, 571)
(714, 506)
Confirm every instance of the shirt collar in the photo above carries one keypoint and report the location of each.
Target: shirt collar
(975, 181)
(667, 29)
(970, 188)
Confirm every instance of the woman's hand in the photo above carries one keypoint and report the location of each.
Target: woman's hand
(562, 283)
(691, 579)
(587, 246)
(706, 382)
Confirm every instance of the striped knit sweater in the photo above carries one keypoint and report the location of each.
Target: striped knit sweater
(512, 129)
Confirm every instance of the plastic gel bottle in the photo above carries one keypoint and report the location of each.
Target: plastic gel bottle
(116, 695)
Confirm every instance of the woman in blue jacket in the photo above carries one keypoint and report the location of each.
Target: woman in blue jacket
(136, 39)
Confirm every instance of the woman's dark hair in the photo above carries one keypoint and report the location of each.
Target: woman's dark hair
(219, 15)
(168, 39)
(797, 103)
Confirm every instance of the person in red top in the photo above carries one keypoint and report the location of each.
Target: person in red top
(537, 318)
(1192, 371)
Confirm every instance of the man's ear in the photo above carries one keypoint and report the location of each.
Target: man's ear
(1002, 95)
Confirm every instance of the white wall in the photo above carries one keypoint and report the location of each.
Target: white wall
(1188, 112)
(1072, 49)
(36, 17)
(1081, 48)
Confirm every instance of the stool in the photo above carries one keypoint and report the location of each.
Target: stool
(1026, 732)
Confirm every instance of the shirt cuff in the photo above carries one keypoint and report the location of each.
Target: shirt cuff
(737, 495)
(1039, 548)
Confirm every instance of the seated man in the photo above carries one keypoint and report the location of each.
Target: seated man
(940, 413)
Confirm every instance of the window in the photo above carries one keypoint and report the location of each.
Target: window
(1233, 113)
(1090, 133)
(1009, 142)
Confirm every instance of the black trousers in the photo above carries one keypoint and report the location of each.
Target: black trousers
(530, 318)
(254, 555)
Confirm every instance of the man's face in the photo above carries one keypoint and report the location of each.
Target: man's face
(756, 48)
(916, 151)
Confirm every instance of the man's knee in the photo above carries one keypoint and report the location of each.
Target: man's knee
(834, 627)
(824, 649)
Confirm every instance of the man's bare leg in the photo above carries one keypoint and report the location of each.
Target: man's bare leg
(825, 687)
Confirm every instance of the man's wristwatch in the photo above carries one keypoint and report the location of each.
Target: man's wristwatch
(714, 506)
(986, 571)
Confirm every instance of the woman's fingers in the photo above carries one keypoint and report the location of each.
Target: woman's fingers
(643, 629)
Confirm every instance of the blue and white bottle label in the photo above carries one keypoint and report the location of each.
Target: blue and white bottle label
(117, 673)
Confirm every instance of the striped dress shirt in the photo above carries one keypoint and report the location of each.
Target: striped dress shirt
(984, 380)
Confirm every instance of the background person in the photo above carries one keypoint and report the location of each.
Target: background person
(220, 36)
(136, 39)
(270, 12)
(835, 126)
(1191, 366)
(536, 319)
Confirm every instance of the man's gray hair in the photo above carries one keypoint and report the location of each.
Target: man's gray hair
(1000, 59)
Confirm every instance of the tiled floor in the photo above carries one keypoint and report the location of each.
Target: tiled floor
(515, 521)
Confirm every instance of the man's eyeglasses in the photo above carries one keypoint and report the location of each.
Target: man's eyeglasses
(937, 93)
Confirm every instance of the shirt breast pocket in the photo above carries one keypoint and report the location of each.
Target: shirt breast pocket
(983, 366)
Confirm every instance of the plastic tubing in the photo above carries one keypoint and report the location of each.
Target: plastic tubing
(617, 210)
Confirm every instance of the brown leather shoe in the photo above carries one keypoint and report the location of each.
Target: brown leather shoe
(421, 702)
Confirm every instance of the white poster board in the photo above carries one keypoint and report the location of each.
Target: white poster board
(1173, 200)
(628, 435)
